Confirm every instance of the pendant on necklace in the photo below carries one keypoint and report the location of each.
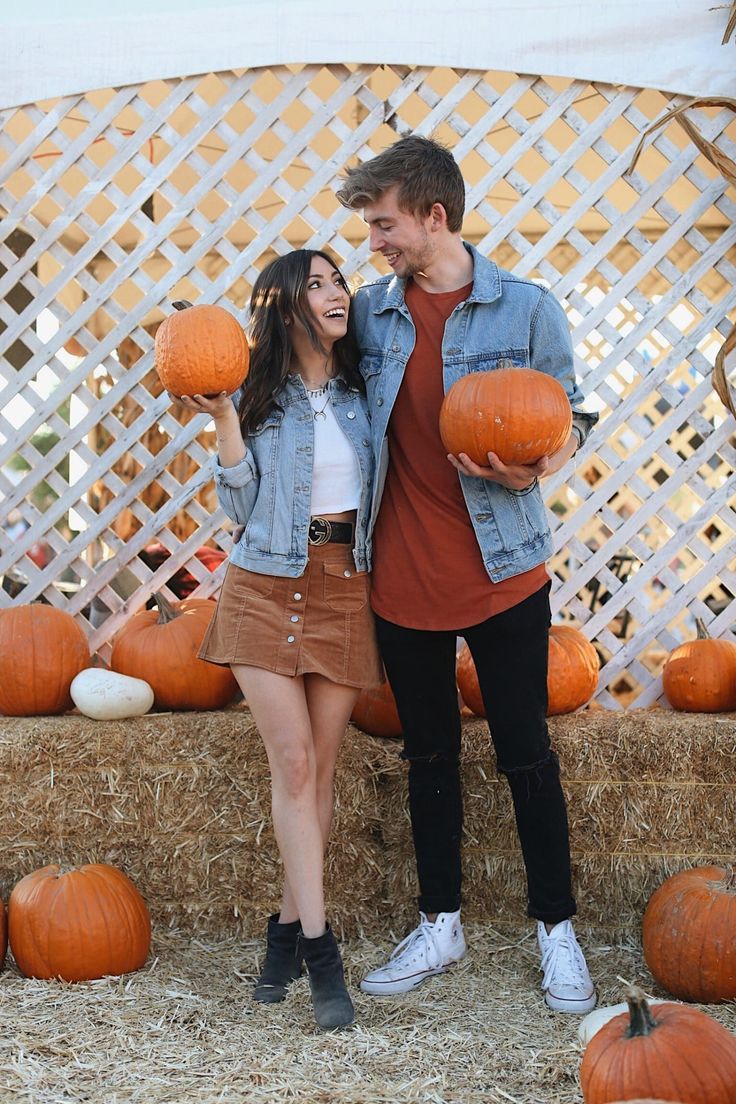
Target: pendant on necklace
(319, 414)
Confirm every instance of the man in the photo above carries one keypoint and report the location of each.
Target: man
(460, 549)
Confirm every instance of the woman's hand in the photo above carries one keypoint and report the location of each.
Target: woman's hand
(218, 407)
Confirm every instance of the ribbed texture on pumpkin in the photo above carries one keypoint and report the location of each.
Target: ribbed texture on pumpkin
(42, 649)
(375, 712)
(573, 670)
(689, 934)
(518, 413)
(201, 350)
(572, 674)
(78, 925)
(700, 676)
(160, 647)
(687, 1056)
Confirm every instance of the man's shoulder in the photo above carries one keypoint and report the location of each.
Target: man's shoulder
(376, 289)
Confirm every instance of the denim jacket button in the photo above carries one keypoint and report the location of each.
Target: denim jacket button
(379, 401)
(395, 348)
(351, 414)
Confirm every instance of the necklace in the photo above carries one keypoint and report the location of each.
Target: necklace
(319, 414)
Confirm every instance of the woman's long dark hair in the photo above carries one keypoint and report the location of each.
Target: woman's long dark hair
(280, 292)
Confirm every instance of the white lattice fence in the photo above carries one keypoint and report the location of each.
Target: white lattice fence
(117, 202)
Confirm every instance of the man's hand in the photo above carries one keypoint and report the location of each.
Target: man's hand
(515, 477)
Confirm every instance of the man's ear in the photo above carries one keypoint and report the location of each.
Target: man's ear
(438, 216)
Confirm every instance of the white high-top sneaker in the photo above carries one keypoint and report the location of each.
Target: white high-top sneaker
(567, 984)
(432, 948)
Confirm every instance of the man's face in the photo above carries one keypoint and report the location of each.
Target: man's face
(403, 239)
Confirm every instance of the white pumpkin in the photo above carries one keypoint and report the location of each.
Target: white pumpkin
(108, 696)
(599, 1017)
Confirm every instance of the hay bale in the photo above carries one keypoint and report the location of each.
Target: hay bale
(181, 801)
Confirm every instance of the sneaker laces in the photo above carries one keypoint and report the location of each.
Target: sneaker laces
(563, 962)
(423, 933)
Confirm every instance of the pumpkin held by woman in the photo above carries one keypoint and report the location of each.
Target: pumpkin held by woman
(517, 413)
(78, 924)
(160, 646)
(201, 350)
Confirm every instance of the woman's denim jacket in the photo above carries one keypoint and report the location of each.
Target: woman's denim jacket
(270, 490)
(505, 322)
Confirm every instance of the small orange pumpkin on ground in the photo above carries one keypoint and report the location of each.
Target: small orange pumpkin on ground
(518, 413)
(375, 712)
(699, 676)
(42, 650)
(689, 934)
(674, 1051)
(571, 678)
(78, 924)
(160, 647)
(201, 350)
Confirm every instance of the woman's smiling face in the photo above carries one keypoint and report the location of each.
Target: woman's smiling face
(328, 300)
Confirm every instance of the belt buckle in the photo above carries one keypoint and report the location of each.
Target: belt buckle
(320, 531)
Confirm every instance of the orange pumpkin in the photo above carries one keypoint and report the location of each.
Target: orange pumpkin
(201, 350)
(700, 675)
(467, 682)
(675, 1052)
(160, 646)
(572, 675)
(689, 934)
(42, 649)
(375, 712)
(78, 924)
(518, 413)
(573, 670)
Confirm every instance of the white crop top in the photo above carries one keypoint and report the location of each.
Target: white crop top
(335, 472)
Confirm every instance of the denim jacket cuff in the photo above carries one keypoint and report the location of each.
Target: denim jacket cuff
(582, 424)
(239, 475)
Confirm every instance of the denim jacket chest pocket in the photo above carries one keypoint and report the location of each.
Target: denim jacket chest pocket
(489, 361)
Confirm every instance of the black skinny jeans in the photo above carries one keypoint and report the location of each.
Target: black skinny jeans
(510, 655)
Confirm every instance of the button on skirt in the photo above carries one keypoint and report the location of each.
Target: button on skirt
(320, 622)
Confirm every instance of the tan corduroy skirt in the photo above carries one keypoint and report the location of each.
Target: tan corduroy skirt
(320, 622)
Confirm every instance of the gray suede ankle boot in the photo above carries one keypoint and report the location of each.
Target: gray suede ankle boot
(283, 961)
(331, 1001)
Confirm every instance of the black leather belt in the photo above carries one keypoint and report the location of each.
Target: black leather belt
(322, 531)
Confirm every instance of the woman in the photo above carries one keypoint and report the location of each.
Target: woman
(293, 619)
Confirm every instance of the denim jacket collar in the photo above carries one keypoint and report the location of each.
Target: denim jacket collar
(486, 284)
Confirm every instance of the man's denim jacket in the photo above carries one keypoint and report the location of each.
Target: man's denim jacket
(270, 490)
(505, 322)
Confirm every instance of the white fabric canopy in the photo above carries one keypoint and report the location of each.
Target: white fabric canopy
(56, 47)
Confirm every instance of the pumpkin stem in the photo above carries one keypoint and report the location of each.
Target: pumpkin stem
(181, 304)
(166, 612)
(641, 1021)
(703, 633)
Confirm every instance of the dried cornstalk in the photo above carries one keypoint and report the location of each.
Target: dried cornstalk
(727, 168)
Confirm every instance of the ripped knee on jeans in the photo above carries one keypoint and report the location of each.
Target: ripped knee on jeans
(528, 769)
(430, 758)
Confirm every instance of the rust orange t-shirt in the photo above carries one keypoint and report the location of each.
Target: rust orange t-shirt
(428, 572)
